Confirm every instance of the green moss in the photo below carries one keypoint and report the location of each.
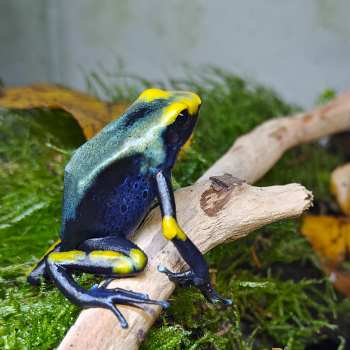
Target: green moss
(33, 317)
(269, 310)
(325, 96)
(31, 178)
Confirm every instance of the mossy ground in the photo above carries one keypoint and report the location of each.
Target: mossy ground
(272, 307)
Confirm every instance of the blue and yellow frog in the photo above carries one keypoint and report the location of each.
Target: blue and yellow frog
(109, 186)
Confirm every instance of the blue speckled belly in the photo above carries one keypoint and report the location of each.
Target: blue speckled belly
(126, 206)
(114, 205)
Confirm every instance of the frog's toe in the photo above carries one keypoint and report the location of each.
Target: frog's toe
(130, 297)
(206, 292)
(185, 276)
(95, 286)
(107, 282)
(189, 278)
(162, 268)
(185, 284)
(130, 293)
(222, 299)
(105, 297)
(170, 275)
(210, 295)
(120, 317)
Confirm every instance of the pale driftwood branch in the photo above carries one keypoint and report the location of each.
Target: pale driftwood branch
(248, 208)
(209, 215)
(253, 154)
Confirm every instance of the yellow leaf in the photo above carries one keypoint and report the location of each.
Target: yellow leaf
(329, 236)
(91, 113)
(340, 186)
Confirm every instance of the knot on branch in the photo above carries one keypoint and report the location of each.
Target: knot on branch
(215, 198)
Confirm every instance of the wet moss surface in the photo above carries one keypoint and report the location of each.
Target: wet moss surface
(286, 301)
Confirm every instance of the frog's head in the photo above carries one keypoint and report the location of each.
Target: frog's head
(156, 125)
(177, 114)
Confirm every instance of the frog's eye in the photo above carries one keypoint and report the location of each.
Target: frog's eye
(183, 119)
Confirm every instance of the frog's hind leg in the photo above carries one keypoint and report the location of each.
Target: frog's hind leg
(40, 268)
(110, 256)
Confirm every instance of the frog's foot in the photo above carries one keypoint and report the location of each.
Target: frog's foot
(107, 298)
(97, 296)
(189, 278)
(130, 293)
(110, 256)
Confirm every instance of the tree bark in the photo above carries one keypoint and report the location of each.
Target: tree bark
(211, 214)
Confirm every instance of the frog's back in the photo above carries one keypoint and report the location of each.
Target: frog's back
(115, 205)
(107, 182)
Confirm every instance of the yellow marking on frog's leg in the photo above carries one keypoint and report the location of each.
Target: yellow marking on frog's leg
(67, 257)
(139, 258)
(123, 267)
(32, 268)
(119, 263)
(47, 252)
(171, 229)
(53, 247)
(104, 256)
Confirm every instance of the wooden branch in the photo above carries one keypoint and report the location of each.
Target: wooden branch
(210, 215)
(253, 154)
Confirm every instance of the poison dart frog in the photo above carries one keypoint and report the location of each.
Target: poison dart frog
(109, 186)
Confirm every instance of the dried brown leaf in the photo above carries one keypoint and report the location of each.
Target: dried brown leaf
(91, 113)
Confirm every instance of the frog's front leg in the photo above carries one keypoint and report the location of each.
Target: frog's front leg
(198, 273)
(110, 256)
